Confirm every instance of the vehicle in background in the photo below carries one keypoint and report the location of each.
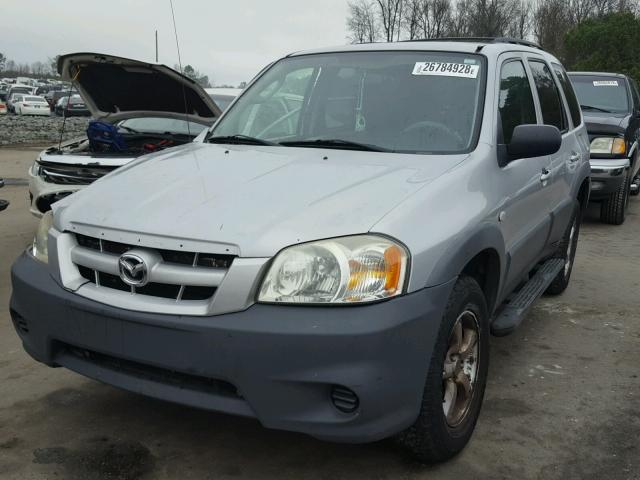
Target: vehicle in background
(52, 96)
(3, 103)
(11, 99)
(135, 122)
(26, 81)
(331, 266)
(17, 90)
(31, 105)
(72, 106)
(610, 104)
(223, 96)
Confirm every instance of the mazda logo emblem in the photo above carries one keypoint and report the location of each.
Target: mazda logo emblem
(133, 270)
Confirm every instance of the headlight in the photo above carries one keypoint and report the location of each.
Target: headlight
(608, 146)
(39, 249)
(360, 268)
(35, 169)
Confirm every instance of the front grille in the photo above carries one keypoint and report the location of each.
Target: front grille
(61, 174)
(92, 268)
(156, 374)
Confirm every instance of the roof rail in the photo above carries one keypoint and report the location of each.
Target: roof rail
(515, 41)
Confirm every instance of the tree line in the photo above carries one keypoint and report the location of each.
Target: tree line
(37, 69)
(548, 22)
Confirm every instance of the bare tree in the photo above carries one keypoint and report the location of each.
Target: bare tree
(551, 23)
(411, 18)
(460, 21)
(520, 23)
(390, 14)
(361, 22)
(492, 18)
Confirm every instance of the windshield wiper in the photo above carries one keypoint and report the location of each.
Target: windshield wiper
(590, 107)
(129, 129)
(335, 143)
(240, 140)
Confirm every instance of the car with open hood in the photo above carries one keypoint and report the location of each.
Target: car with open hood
(332, 255)
(139, 108)
(610, 104)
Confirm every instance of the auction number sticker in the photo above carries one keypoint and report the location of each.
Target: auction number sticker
(605, 83)
(446, 69)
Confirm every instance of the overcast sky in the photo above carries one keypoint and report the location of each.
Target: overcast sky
(228, 40)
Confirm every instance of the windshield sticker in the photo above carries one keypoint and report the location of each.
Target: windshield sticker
(605, 83)
(446, 69)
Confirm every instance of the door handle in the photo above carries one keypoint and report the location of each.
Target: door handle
(574, 157)
(545, 175)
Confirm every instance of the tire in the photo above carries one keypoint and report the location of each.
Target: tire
(637, 190)
(614, 209)
(434, 437)
(567, 252)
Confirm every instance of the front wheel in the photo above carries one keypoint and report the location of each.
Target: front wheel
(614, 208)
(456, 380)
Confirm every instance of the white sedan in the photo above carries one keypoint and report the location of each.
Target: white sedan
(31, 105)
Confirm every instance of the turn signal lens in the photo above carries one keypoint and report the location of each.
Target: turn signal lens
(619, 146)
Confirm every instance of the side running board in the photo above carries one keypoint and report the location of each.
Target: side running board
(517, 306)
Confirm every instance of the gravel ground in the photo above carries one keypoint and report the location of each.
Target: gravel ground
(17, 129)
(561, 402)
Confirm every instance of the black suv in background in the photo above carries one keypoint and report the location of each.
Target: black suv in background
(610, 104)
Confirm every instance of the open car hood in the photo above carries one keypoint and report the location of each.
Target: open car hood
(115, 88)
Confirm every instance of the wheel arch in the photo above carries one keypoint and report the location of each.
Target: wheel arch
(481, 256)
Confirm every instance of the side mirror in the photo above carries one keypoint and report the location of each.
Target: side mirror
(3, 205)
(1, 182)
(534, 141)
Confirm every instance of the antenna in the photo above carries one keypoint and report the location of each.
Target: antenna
(184, 93)
(156, 46)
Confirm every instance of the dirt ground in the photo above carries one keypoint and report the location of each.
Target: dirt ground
(562, 400)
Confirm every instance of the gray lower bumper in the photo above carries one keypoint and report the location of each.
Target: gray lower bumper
(275, 363)
(606, 176)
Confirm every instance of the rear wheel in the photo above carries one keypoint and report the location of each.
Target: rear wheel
(456, 380)
(567, 252)
(614, 209)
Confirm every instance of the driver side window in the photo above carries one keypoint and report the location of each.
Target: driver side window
(515, 103)
(276, 111)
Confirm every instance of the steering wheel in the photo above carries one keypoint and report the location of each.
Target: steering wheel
(432, 129)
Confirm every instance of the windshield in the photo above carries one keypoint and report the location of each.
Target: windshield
(416, 102)
(600, 93)
(162, 125)
(34, 99)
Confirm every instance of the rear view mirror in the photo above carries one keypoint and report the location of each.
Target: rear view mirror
(534, 141)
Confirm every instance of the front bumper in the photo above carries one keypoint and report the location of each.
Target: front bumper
(606, 176)
(278, 364)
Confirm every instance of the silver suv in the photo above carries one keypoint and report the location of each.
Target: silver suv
(332, 255)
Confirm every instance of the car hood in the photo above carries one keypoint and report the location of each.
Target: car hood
(255, 200)
(116, 88)
(597, 122)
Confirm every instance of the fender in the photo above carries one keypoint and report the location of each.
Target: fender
(485, 236)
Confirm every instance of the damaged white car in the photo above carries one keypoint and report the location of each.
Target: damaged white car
(137, 107)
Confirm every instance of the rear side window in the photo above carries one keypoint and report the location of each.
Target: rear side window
(569, 94)
(549, 96)
(515, 103)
